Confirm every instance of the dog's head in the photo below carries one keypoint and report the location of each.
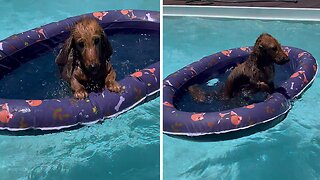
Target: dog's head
(89, 43)
(268, 47)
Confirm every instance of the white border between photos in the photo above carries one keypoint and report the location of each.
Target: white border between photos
(161, 92)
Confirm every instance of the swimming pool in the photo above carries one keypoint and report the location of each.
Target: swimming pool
(113, 149)
(290, 150)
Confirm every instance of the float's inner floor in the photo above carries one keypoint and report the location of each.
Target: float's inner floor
(40, 78)
(213, 103)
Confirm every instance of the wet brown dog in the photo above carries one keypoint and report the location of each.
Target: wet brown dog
(84, 60)
(255, 74)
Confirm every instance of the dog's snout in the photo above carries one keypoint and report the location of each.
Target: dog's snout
(94, 68)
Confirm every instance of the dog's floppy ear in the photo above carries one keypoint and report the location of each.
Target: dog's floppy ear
(107, 50)
(62, 57)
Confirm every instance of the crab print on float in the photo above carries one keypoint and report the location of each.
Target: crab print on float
(5, 115)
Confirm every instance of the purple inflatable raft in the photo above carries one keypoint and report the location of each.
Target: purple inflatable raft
(57, 114)
(240, 121)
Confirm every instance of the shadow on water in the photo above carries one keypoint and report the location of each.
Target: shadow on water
(270, 153)
(131, 168)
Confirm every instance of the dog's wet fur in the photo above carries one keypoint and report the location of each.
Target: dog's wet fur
(84, 60)
(256, 74)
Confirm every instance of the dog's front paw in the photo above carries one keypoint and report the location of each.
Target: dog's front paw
(263, 86)
(114, 87)
(80, 94)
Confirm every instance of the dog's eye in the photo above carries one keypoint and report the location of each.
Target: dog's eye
(96, 41)
(81, 44)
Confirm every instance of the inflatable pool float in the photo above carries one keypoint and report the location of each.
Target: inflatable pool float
(57, 114)
(240, 121)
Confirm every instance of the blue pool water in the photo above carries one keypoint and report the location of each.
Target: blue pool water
(125, 147)
(290, 150)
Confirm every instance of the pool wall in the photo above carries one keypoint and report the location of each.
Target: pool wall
(263, 13)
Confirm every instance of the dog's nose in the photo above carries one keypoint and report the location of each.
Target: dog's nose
(94, 68)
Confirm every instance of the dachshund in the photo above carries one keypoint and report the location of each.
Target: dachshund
(84, 60)
(254, 75)
(258, 71)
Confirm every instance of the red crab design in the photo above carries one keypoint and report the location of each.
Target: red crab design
(302, 54)
(251, 106)
(5, 115)
(137, 74)
(129, 13)
(41, 31)
(197, 116)
(152, 70)
(245, 49)
(34, 102)
(99, 15)
(298, 73)
(167, 104)
(234, 117)
(226, 52)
